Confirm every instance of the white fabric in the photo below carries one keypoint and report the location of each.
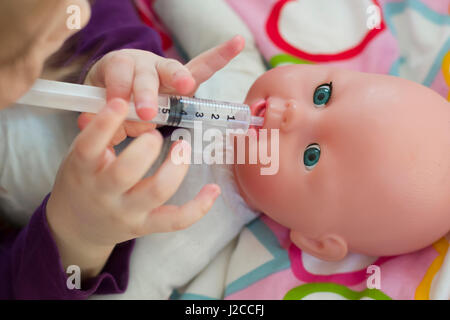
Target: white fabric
(33, 142)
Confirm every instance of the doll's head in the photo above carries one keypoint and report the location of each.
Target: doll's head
(364, 161)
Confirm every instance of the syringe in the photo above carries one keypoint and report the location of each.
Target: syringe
(172, 110)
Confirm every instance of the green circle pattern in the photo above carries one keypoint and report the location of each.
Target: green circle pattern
(298, 293)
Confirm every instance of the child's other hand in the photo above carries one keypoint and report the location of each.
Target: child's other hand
(100, 199)
(143, 74)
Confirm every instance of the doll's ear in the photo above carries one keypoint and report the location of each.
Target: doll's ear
(330, 247)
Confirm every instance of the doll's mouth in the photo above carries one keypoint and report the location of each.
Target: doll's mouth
(261, 111)
(259, 108)
(272, 110)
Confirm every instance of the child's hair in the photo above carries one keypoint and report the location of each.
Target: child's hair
(62, 66)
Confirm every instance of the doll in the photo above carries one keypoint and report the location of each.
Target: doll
(364, 161)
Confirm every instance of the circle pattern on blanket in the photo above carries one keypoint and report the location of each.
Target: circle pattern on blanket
(344, 272)
(332, 291)
(319, 39)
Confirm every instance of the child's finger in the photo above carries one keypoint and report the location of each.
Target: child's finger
(153, 191)
(94, 139)
(114, 72)
(174, 76)
(135, 128)
(173, 218)
(132, 163)
(145, 90)
(118, 76)
(84, 119)
(121, 134)
(209, 62)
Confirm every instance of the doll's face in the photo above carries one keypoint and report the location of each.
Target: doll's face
(364, 161)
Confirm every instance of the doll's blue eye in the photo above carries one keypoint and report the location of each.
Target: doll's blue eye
(322, 94)
(311, 156)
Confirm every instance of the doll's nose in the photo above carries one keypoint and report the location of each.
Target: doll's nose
(291, 116)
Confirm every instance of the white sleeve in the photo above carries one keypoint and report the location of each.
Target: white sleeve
(33, 142)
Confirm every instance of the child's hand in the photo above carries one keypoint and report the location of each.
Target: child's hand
(99, 200)
(143, 74)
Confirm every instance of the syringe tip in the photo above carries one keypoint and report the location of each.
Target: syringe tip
(257, 121)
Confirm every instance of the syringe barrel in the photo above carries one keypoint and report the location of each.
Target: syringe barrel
(172, 110)
(186, 111)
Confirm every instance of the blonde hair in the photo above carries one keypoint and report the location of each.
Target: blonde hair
(57, 66)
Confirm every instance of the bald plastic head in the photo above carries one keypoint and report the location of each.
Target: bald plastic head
(382, 183)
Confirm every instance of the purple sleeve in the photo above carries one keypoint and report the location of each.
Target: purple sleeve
(30, 266)
(114, 25)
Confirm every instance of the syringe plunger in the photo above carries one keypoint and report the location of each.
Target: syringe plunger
(172, 110)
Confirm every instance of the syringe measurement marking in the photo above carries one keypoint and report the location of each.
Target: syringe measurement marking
(230, 115)
(200, 114)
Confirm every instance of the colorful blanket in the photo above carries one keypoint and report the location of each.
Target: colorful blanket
(263, 264)
(409, 39)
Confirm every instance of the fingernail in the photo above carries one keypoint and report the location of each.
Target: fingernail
(146, 112)
(214, 190)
